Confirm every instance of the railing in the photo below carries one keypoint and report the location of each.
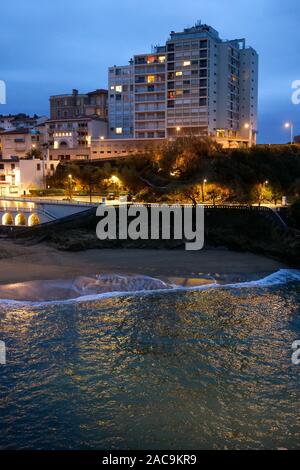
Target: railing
(47, 201)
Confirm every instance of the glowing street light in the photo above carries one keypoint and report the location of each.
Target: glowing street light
(290, 125)
(116, 181)
(178, 129)
(70, 187)
(204, 182)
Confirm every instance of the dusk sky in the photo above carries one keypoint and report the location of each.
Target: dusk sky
(52, 47)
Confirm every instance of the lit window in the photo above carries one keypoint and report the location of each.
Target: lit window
(150, 59)
(179, 74)
(119, 88)
(162, 59)
(112, 87)
(186, 63)
(150, 79)
(119, 130)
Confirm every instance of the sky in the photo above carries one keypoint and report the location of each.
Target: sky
(49, 47)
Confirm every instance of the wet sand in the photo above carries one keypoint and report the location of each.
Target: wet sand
(19, 263)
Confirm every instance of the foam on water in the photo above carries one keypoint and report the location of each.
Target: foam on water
(88, 289)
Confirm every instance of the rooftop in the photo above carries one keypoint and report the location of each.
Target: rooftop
(20, 130)
(80, 95)
(79, 118)
(199, 30)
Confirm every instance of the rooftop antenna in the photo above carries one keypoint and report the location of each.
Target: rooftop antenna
(198, 23)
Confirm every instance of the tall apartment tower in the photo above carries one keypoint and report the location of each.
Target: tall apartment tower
(150, 83)
(197, 84)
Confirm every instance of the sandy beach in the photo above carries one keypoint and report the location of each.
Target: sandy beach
(20, 263)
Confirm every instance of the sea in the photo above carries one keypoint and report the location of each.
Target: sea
(131, 362)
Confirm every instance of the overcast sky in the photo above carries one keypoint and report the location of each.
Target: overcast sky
(51, 46)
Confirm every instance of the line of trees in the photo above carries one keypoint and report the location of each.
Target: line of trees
(190, 169)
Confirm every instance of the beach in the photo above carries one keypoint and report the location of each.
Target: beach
(21, 263)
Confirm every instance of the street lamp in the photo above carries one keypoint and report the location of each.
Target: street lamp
(290, 125)
(203, 189)
(115, 180)
(262, 187)
(70, 186)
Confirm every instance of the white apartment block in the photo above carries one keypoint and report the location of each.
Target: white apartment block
(20, 172)
(196, 84)
(19, 176)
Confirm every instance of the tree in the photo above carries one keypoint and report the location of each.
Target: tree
(188, 156)
(34, 153)
(90, 178)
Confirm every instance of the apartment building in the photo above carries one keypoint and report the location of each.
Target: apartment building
(150, 93)
(18, 177)
(74, 105)
(196, 84)
(19, 173)
(19, 142)
(19, 121)
(69, 139)
(121, 101)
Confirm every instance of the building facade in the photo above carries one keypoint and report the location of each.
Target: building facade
(150, 83)
(196, 84)
(18, 143)
(12, 122)
(75, 105)
(69, 139)
(121, 102)
(19, 176)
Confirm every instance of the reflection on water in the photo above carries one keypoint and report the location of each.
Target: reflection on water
(190, 370)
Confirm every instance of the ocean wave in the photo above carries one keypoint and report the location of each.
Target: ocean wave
(89, 289)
